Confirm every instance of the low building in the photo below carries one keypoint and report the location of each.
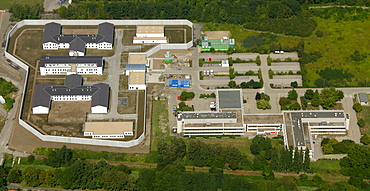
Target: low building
(54, 40)
(108, 130)
(363, 99)
(72, 90)
(135, 68)
(208, 123)
(136, 81)
(223, 44)
(66, 65)
(229, 99)
(265, 124)
(150, 35)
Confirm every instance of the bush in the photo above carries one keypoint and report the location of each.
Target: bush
(284, 101)
(365, 139)
(292, 94)
(357, 107)
(319, 33)
(361, 122)
(263, 104)
(186, 95)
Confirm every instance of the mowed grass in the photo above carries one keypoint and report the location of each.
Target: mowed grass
(326, 165)
(5, 4)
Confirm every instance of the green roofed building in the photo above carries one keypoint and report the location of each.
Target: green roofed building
(218, 44)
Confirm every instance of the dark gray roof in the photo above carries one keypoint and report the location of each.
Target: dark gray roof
(71, 60)
(73, 81)
(43, 92)
(77, 44)
(209, 115)
(101, 97)
(107, 31)
(135, 66)
(230, 99)
(68, 38)
(52, 33)
(40, 97)
(50, 30)
(363, 97)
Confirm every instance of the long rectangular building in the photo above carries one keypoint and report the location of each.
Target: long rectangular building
(66, 65)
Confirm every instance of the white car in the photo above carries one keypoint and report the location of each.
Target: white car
(212, 105)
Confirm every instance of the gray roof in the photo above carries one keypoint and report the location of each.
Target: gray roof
(107, 31)
(101, 97)
(229, 99)
(40, 97)
(73, 81)
(363, 97)
(50, 30)
(52, 33)
(135, 66)
(209, 115)
(77, 44)
(71, 60)
(43, 92)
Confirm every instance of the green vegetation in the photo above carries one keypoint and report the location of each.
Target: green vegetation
(160, 118)
(184, 107)
(26, 11)
(357, 107)
(332, 146)
(6, 90)
(263, 101)
(6, 4)
(251, 84)
(212, 95)
(364, 115)
(186, 96)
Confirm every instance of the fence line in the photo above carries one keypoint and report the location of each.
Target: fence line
(87, 141)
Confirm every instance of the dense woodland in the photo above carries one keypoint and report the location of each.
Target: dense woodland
(71, 172)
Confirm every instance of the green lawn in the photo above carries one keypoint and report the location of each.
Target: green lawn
(5, 4)
(160, 127)
(326, 165)
(365, 114)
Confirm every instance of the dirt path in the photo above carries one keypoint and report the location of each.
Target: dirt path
(323, 7)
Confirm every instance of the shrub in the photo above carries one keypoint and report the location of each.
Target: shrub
(365, 139)
(357, 107)
(361, 122)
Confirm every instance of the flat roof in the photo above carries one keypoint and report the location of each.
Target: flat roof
(137, 59)
(98, 60)
(150, 38)
(150, 29)
(296, 119)
(263, 119)
(229, 99)
(208, 115)
(137, 78)
(101, 128)
(363, 97)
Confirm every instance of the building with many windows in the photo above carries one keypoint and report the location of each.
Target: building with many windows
(66, 65)
(108, 130)
(76, 43)
(149, 35)
(72, 90)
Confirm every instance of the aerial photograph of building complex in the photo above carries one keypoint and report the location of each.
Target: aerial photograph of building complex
(184, 95)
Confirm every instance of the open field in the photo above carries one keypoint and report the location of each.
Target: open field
(5, 4)
(175, 36)
(69, 111)
(128, 36)
(141, 113)
(131, 102)
(123, 82)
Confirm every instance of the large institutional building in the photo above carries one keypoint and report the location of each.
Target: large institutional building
(149, 35)
(54, 40)
(72, 90)
(66, 65)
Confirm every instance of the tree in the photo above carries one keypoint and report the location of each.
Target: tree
(186, 95)
(365, 139)
(15, 176)
(267, 173)
(31, 176)
(260, 145)
(309, 94)
(319, 33)
(306, 163)
(258, 96)
(263, 104)
(59, 157)
(295, 106)
(232, 84)
(315, 99)
(283, 101)
(317, 180)
(361, 122)
(292, 94)
(294, 84)
(30, 159)
(357, 107)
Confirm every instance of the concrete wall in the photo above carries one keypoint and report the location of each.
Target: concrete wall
(75, 140)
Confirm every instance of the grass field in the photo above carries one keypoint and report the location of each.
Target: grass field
(5, 4)
(159, 123)
(365, 114)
